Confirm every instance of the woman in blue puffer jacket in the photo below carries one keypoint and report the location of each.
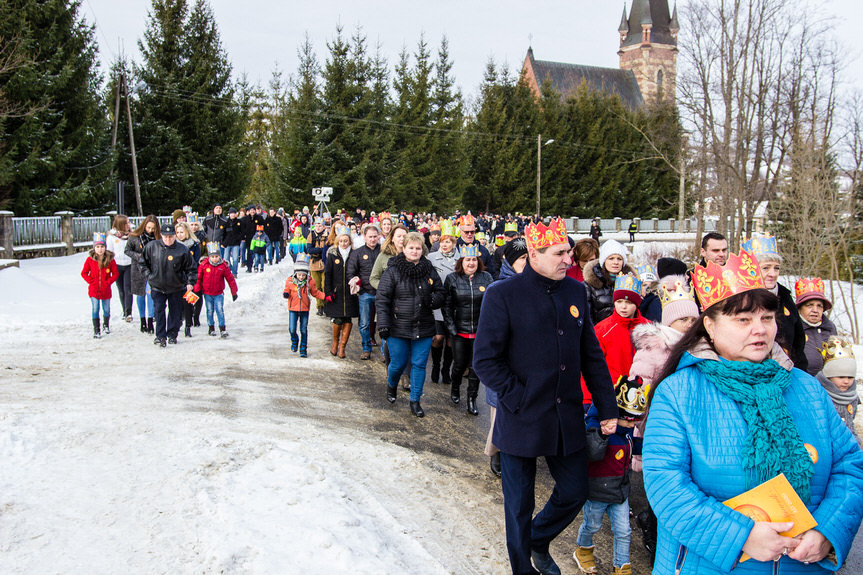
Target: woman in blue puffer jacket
(732, 414)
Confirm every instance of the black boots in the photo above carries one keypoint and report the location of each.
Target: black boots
(472, 392)
(646, 520)
(96, 333)
(188, 331)
(144, 325)
(416, 409)
(160, 341)
(494, 463)
(436, 353)
(455, 389)
(106, 325)
(222, 332)
(150, 327)
(447, 365)
(391, 394)
(211, 330)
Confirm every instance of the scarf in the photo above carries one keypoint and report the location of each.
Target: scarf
(811, 324)
(837, 395)
(188, 243)
(345, 253)
(773, 444)
(301, 283)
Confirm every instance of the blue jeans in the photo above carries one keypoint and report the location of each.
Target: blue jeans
(618, 514)
(217, 303)
(367, 304)
(303, 318)
(259, 260)
(232, 256)
(403, 350)
(273, 248)
(106, 307)
(145, 303)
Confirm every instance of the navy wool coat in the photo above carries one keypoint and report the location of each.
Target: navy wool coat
(535, 340)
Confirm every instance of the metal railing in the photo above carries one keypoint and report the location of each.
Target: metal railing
(36, 231)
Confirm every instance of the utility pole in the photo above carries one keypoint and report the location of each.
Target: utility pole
(132, 147)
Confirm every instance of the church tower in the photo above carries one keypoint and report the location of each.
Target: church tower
(648, 47)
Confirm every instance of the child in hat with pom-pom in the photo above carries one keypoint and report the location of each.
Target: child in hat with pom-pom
(298, 288)
(100, 271)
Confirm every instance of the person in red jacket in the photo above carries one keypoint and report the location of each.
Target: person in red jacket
(100, 271)
(213, 272)
(614, 332)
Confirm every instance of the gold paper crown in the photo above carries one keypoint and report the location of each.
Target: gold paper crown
(682, 292)
(808, 285)
(628, 282)
(510, 227)
(541, 236)
(343, 230)
(716, 283)
(631, 398)
(759, 246)
(385, 216)
(836, 348)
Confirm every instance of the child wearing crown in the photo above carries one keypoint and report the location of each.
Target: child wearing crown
(258, 247)
(100, 271)
(298, 288)
(609, 463)
(838, 378)
(614, 333)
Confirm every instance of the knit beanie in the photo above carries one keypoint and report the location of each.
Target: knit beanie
(678, 308)
(670, 267)
(841, 367)
(514, 250)
(178, 214)
(838, 358)
(609, 248)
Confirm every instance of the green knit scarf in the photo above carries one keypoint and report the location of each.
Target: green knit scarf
(773, 445)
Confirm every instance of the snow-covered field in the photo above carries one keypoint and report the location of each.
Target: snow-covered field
(119, 456)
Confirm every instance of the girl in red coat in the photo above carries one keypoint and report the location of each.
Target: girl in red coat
(100, 271)
(213, 272)
(614, 332)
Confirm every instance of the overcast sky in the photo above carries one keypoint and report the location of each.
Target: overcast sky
(260, 34)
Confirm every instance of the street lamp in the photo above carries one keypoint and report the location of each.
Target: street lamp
(539, 146)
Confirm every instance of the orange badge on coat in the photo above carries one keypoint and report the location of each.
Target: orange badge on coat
(574, 311)
(813, 453)
(619, 455)
(482, 288)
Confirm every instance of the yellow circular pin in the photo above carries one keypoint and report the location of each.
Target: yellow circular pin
(170, 258)
(619, 455)
(431, 281)
(481, 288)
(365, 256)
(813, 453)
(336, 262)
(574, 311)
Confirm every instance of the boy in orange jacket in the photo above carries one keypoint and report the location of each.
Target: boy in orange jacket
(298, 287)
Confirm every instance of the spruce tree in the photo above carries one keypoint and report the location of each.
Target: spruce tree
(449, 176)
(54, 148)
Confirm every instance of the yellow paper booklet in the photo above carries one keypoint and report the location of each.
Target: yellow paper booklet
(774, 501)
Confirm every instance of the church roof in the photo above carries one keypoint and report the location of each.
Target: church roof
(656, 14)
(566, 78)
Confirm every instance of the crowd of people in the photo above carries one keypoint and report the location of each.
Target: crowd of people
(710, 380)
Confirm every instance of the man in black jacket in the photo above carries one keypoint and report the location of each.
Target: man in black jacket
(360, 264)
(249, 224)
(273, 227)
(214, 226)
(170, 270)
(534, 342)
(232, 239)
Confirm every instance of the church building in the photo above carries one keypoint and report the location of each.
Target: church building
(648, 60)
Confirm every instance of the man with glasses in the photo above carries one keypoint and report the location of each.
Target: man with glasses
(467, 225)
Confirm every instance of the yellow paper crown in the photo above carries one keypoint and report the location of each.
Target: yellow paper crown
(510, 227)
(716, 283)
(681, 292)
(761, 246)
(447, 228)
(628, 282)
(467, 220)
(541, 236)
(836, 348)
(385, 216)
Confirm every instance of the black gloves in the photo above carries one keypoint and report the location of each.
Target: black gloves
(384, 332)
(234, 296)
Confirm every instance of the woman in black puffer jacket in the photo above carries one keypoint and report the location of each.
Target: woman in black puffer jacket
(599, 276)
(464, 290)
(409, 290)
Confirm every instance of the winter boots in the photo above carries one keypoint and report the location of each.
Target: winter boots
(391, 393)
(584, 559)
(106, 325)
(447, 365)
(188, 331)
(646, 520)
(455, 389)
(211, 330)
(436, 353)
(337, 332)
(343, 342)
(151, 329)
(472, 392)
(144, 325)
(416, 409)
(624, 569)
(222, 333)
(96, 333)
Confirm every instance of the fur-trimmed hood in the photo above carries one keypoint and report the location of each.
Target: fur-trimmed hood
(649, 333)
(106, 259)
(596, 276)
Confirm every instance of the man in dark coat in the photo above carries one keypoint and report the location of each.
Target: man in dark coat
(360, 264)
(170, 270)
(249, 224)
(535, 342)
(468, 237)
(214, 227)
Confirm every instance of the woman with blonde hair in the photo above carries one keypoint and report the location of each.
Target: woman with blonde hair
(341, 305)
